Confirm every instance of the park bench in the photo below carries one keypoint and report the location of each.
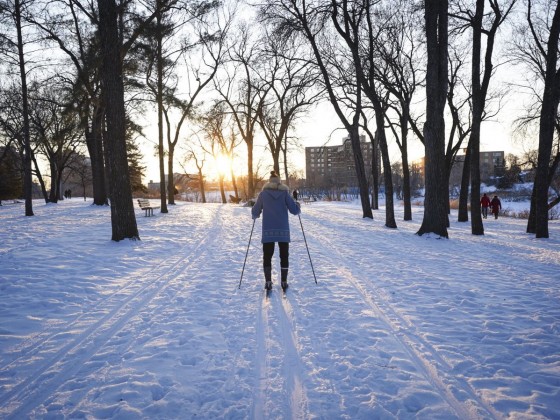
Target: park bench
(308, 200)
(146, 206)
(234, 200)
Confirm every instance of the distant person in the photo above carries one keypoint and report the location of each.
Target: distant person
(295, 194)
(485, 203)
(496, 205)
(274, 202)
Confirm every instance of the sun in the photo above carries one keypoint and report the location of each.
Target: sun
(223, 164)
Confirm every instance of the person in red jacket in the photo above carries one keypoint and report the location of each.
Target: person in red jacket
(485, 203)
(496, 206)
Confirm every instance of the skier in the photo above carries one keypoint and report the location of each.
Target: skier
(295, 194)
(485, 203)
(274, 202)
(496, 206)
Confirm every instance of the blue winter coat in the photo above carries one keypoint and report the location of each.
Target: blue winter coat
(274, 202)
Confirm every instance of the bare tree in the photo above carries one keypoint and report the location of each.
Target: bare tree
(238, 88)
(401, 56)
(336, 66)
(80, 169)
(72, 27)
(201, 62)
(546, 60)
(290, 84)
(480, 87)
(55, 128)
(11, 14)
(348, 18)
(218, 127)
(199, 160)
(163, 52)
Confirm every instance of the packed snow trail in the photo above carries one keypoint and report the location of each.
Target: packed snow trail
(398, 326)
(90, 332)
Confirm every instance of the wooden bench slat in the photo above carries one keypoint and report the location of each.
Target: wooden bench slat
(147, 207)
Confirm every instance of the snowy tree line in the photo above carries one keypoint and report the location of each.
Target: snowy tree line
(79, 79)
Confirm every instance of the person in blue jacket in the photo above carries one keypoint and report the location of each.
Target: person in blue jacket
(274, 202)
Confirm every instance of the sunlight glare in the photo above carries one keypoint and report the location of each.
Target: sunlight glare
(223, 164)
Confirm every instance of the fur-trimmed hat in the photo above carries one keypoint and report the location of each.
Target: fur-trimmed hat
(275, 183)
(274, 177)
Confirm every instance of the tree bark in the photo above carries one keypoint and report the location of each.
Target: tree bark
(94, 141)
(478, 99)
(123, 219)
(463, 214)
(549, 112)
(387, 174)
(27, 180)
(159, 100)
(435, 209)
(407, 200)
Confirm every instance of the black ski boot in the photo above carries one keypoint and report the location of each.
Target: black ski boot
(268, 278)
(284, 274)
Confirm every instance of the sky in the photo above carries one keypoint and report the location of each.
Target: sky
(177, 326)
(322, 127)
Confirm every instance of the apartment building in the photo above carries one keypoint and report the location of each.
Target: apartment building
(492, 164)
(333, 166)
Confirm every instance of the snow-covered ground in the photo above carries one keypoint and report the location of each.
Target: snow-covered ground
(398, 326)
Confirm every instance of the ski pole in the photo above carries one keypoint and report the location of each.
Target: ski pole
(311, 262)
(247, 253)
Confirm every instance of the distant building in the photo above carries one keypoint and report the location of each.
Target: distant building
(183, 182)
(492, 165)
(333, 166)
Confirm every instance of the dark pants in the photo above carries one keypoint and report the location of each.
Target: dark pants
(268, 252)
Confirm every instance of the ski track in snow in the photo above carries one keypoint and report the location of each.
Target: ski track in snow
(454, 388)
(88, 336)
(279, 366)
(422, 353)
(158, 328)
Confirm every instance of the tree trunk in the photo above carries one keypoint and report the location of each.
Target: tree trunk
(549, 112)
(234, 184)
(170, 178)
(27, 180)
(123, 219)
(463, 215)
(375, 172)
(222, 190)
(406, 170)
(201, 185)
(40, 179)
(250, 173)
(159, 100)
(435, 209)
(360, 170)
(94, 141)
(53, 195)
(387, 174)
(477, 228)
(407, 195)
